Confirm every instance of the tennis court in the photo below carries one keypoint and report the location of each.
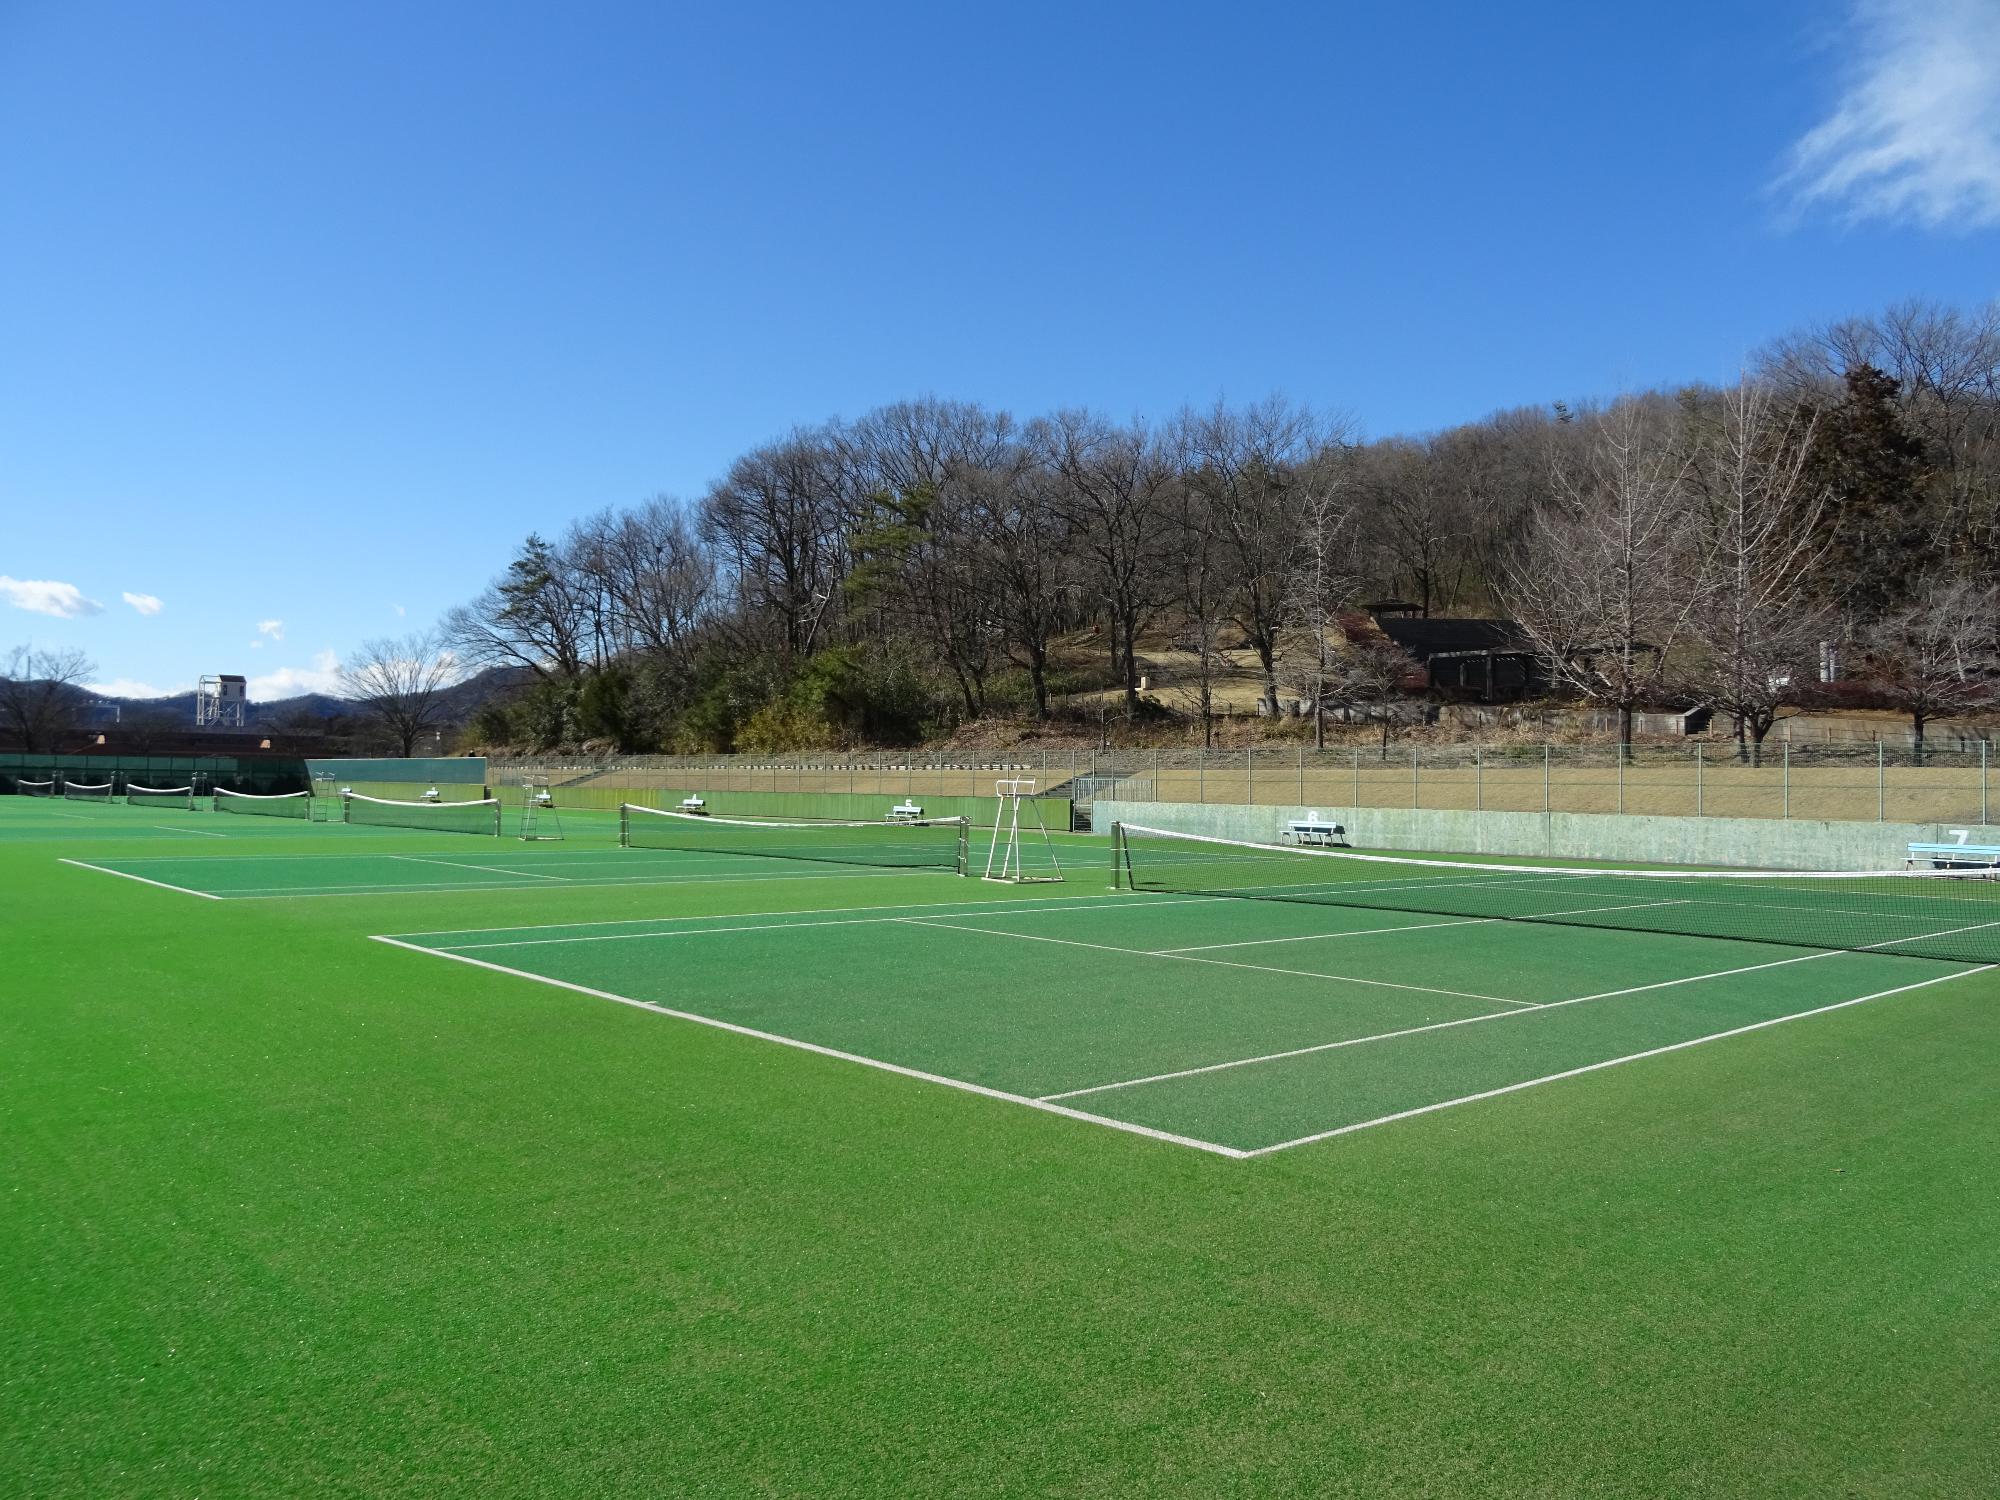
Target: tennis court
(1237, 1027)
(1342, 996)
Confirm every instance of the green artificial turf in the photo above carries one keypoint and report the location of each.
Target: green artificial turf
(292, 1212)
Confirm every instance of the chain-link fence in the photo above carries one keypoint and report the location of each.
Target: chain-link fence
(1850, 780)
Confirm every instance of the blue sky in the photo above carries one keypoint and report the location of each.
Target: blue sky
(309, 314)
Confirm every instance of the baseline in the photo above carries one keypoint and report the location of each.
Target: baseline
(899, 1069)
(1682, 1046)
(128, 875)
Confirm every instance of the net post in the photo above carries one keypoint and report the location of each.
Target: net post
(1117, 851)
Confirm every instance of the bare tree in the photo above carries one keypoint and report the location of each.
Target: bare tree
(1603, 583)
(1244, 462)
(1112, 483)
(401, 684)
(1025, 537)
(1200, 596)
(540, 614)
(1319, 586)
(1368, 679)
(920, 568)
(1939, 657)
(1753, 643)
(778, 523)
(1416, 497)
(41, 695)
(655, 573)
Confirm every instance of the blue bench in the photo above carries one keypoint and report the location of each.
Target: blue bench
(1955, 856)
(1314, 833)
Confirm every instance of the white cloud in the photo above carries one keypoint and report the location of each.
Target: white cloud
(127, 687)
(1915, 137)
(400, 611)
(323, 676)
(256, 645)
(45, 597)
(146, 604)
(275, 629)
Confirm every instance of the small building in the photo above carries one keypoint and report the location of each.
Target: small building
(1481, 661)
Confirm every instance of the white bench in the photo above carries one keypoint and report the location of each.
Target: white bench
(1959, 856)
(1313, 832)
(694, 805)
(906, 812)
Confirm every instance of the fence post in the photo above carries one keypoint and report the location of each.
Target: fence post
(1881, 796)
(1697, 781)
(1478, 779)
(1982, 782)
(1545, 781)
(1416, 779)
(1357, 778)
(1621, 778)
(1785, 776)
(1249, 776)
(1200, 775)
(1302, 775)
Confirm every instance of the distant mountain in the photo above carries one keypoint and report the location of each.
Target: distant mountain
(462, 701)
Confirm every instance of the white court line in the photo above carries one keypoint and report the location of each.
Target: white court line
(1540, 916)
(459, 864)
(1321, 937)
(126, 875)
(1390, 1036)
(447, 888)
(1190, 958)
(835, 913)
(1925, 937)
(804, 911)
(200, 833)
(834, 1052)
(1515, 1088)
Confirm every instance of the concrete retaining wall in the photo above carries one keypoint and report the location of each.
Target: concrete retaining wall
(1752, 843)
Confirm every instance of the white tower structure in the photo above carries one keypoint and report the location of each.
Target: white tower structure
(221, 702)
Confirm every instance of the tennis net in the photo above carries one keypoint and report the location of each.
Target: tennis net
(34, 788)
(482, 816)
(926, 844)
(179, 798)
(81, 791)
(1943, 914)
(265, 805)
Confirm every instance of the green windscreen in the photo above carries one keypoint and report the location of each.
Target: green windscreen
(457, 778)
